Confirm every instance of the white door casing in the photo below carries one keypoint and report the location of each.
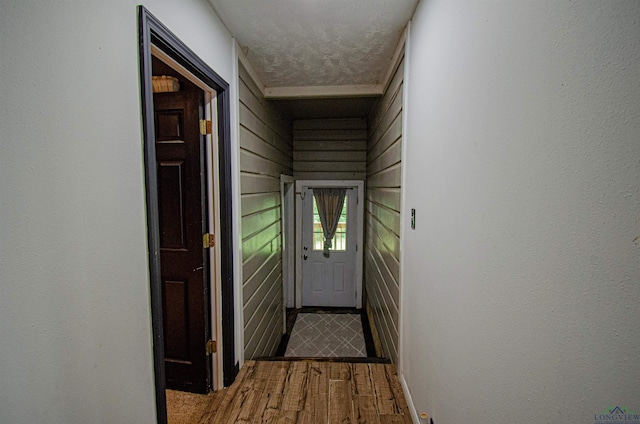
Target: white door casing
(335, 280)
(287, 211)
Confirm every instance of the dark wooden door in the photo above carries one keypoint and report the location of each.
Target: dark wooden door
(179, 155)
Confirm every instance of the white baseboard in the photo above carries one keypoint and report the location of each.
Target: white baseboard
(407, 396)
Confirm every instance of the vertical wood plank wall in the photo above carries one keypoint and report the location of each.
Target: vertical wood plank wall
(382, 213)
(330, 149)
(265, 153)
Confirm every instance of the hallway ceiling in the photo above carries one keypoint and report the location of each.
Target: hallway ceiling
(308, 43)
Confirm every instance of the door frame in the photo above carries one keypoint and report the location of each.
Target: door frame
(153, 34)
(287, 212)
(359, 186)
(211, 202)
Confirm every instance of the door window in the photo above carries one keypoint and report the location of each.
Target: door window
(339, 243)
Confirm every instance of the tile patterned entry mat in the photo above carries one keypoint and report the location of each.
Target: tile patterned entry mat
(327, 335)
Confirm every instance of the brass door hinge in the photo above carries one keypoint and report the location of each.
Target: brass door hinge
(211, 347)
(208, 240)
(205, 126)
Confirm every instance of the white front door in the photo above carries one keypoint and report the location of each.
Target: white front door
(329, 280)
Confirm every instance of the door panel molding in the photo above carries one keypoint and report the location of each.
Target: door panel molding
(358, 185)
(183, 214)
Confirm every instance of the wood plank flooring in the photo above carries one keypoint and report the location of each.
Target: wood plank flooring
(310, 392)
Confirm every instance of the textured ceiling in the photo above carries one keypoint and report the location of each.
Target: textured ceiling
(297, 43)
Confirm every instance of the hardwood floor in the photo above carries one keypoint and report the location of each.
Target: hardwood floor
(310, 392)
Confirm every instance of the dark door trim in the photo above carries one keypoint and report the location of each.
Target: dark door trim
(152, 31)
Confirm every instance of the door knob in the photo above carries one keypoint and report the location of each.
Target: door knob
(305, 257)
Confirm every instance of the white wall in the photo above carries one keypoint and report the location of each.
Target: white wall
(74, 298)
(521, 279)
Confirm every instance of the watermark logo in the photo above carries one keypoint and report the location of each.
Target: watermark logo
(618, 415)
